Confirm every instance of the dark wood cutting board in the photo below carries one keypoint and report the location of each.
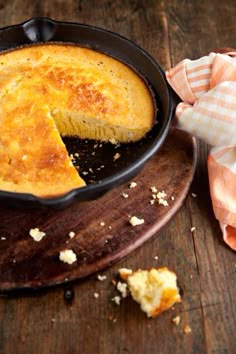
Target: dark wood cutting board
(103, 234)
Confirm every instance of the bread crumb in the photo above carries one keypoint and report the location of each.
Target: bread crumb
(132, 185)
(134, 221)
(116, 156)
(172, 197)
(122, 288)
(101, 277)
(3, 238)
(187, 329)
(193, 229)
(194, 195)
(114, 282)
(124, 272)
(36, 234)
(116, 300)
(125, 195)
(67, 256)
(113, 141)
(176, 320)
(161, 195)
(71, 234)
(102, 223)
(163, 202)
(96, 295)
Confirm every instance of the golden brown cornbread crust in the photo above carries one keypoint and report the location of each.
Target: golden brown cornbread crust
(50, 90)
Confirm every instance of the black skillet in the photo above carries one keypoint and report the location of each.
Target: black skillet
(98, 169)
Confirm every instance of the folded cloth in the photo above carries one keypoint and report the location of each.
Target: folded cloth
(207, 87)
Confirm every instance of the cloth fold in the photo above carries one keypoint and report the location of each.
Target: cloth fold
(207, 87)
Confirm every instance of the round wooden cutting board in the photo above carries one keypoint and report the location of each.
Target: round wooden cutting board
(103, 234)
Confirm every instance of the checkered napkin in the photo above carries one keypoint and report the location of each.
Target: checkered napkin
(207, 87)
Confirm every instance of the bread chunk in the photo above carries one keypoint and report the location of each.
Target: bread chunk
(155, 289)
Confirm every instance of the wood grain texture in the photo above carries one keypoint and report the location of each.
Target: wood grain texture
(25, 263)
(44, 322)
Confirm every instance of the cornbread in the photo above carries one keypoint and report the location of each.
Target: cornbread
(116, 299)
(67, 256)
(155, 289)
(176, 320)
(122, 288)
(187, 329)
(101, 277)
(134, 221)
(52, 90)
(36, 234)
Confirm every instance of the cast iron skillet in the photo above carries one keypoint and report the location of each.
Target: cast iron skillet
(99, 169)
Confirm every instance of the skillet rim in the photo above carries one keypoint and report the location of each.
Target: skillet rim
(92, 191)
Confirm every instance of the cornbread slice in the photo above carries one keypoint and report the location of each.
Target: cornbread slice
(155, 289)
(36, 161)
(52, 90)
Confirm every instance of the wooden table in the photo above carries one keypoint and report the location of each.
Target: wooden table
(69, 319)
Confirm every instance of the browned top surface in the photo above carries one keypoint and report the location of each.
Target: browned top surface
(76, 79)
(170, 31)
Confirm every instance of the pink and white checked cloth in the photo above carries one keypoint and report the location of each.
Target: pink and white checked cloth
(207, 87)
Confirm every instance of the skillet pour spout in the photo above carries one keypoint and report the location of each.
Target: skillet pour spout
(42, 29)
